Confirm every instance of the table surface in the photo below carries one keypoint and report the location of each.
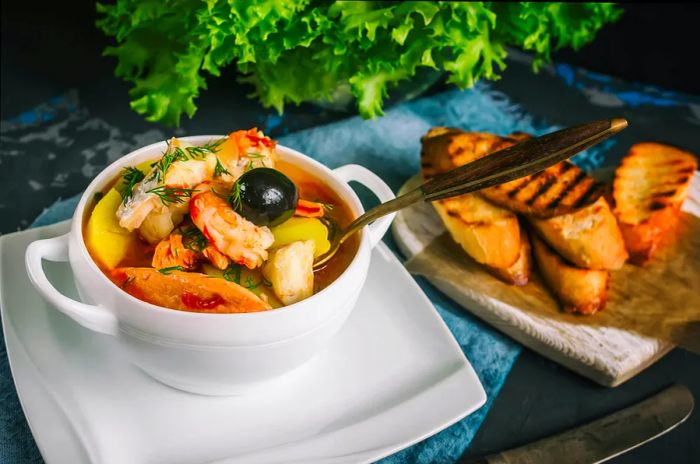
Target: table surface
(539, 397)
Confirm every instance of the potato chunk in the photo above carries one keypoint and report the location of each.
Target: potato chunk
(302, 228)
(290, 270)
(107, 241)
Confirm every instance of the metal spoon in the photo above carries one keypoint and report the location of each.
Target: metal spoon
(526, 158)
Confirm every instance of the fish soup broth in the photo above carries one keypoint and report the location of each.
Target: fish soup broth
(139, 253)
(339, 215)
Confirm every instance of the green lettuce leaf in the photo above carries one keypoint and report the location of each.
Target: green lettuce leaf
(292, 52)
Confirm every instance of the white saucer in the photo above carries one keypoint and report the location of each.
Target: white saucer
(392, 377)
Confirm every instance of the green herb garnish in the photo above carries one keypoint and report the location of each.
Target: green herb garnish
(168, 270)
(219, 169)
(233, 273)
(171, 195)
(234, 197)
(168, 158)
(178, 154)
(193, 239)
(250, 284)
(97, 196)
(200, 151)
(197, 152)
(127, 282)
(214, 146)
(130, 177)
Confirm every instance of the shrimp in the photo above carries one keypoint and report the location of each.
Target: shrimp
(230, 233)
(216, 258)
(185, 249)
(172, 252)
(246, 150)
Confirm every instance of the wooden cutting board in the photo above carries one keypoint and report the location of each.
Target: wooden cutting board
(606, 355)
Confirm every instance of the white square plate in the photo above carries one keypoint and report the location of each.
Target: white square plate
(392, 377)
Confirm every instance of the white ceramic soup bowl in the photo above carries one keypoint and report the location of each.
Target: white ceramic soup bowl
(214, 354)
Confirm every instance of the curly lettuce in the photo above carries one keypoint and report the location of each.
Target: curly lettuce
(292, 52)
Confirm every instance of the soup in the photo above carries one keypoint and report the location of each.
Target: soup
(223, 227)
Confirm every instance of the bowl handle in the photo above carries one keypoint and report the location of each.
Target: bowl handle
(97, 318)
(357, 173)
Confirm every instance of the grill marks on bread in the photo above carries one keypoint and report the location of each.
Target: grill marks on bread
(488, 233)
(650, 186)
(564, 204)
(559, 189)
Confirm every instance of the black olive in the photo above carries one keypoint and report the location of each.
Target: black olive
(264, 196)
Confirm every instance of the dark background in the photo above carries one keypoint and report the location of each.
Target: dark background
(654, 43)
(49, 48)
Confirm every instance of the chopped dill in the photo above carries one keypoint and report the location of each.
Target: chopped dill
(234, 197)
(168, 270)
(169, 157)
(197, 152)
(219, 169)
(97, 196)
(233, 273)
(193, 239)
(250, 284)
(178, 154)
(171, 195)
(130, 177)
(214, 146)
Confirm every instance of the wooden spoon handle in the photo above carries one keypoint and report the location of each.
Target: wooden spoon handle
(523, 159)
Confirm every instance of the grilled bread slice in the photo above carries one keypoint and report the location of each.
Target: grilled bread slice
(578, 290)
(488, 233)
(559, 189)
(445, 148)
(519, 273)
(650, 186)
(589, 238)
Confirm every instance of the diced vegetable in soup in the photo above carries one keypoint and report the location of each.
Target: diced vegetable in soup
(224, 227)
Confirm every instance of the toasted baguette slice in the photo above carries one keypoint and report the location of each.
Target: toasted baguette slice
(650, 186)
(519, 273)
(579, 290)
(488, 233)
(444, 149)
(559, 189)
(589, 237)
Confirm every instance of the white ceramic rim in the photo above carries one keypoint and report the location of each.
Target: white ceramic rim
(103, 179)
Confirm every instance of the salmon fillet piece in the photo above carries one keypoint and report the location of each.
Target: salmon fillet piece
(187, 291)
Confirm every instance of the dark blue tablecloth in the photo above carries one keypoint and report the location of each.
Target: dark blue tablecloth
(390, 147)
